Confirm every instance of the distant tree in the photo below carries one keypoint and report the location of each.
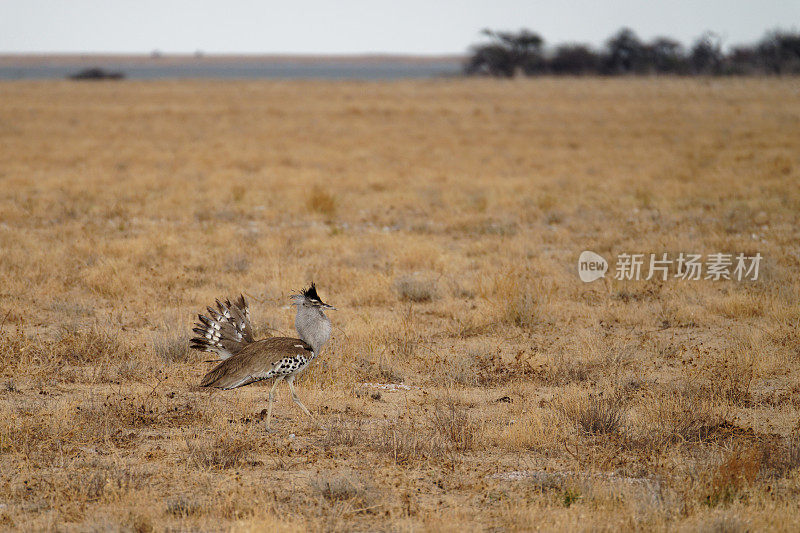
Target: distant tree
(744, 60)
(574, 59)
(706, 56)
(491, 59)
(666, 56)
(625, 54)
(507, 54)
(779, 52)
(511, 53)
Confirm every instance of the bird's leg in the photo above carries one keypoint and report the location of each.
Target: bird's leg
(272, 399)
(296, 399)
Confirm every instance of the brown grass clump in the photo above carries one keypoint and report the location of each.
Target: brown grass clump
(725, 482)
(447, 431)
(321, 201)
(407, 442)
(342, 432)
(536, 429)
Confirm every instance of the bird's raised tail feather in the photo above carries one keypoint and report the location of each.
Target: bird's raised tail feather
(225, 330)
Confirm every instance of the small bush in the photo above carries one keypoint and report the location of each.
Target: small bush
(416, 288)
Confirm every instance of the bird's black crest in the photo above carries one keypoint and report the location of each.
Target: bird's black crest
(311, 293)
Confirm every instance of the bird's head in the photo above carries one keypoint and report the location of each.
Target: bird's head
(309, 298)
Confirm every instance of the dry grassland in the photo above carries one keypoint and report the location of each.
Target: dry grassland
(444, 219)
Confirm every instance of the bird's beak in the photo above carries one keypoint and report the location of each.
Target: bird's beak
(327, 306)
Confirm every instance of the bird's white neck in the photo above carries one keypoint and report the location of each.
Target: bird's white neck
(312, 326)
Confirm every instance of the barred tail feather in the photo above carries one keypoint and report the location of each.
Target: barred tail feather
(225, 331)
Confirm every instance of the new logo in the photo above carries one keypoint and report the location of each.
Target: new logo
(591, 266)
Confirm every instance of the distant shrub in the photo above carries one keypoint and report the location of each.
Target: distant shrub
(94, 74)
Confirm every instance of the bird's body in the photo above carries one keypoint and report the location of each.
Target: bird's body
(227, 332)
(264, 359)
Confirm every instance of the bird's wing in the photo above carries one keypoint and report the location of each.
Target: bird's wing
(254, 362)
(226, 330)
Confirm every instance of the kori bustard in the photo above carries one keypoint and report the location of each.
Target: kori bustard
(228, 333)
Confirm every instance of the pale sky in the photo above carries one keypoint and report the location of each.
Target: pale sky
(351, 26)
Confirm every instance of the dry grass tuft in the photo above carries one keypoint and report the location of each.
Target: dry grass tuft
(222, 452)
(416, 288)
(321, 201)
(182, 508)
(67, 347)
(342, 432)
(594, 415)
(347, 489)
(683, 416)
(781, 458)
(725, 523)
(537, 429)
(446, 432)
(171, 348)
(408, 442)
(459, 370)
(88, 346)
(729, 376)
(452, 422)
(517, 304)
